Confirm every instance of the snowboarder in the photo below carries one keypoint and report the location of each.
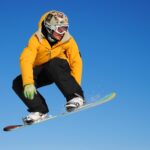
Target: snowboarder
(51, 56)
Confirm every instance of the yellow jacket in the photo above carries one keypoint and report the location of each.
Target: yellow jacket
(39, 51)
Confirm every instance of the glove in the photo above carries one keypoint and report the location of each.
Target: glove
(29, 91)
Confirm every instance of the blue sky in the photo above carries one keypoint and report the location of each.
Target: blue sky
(113, 37)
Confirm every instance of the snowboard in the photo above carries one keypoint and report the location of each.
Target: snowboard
(88, 105)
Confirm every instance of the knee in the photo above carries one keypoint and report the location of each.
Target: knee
(58, 65)
(17, 83)
(54, 63)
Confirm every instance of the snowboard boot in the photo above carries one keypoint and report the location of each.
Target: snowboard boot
(34, 117)
(74, 103)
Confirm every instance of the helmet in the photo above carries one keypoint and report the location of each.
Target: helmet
(56, 21)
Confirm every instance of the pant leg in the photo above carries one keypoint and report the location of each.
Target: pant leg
(38, 104)
(60, 72)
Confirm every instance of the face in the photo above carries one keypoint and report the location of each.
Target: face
(57, 36)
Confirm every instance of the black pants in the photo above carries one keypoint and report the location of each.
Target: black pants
(55, 71)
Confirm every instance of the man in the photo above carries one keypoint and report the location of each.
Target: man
(51, 56)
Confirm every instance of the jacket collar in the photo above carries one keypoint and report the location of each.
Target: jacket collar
(40, 36)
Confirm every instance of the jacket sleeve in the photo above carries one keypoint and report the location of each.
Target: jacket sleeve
(27, 59)
(75, 60)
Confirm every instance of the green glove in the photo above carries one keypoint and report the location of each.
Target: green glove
(29, 91)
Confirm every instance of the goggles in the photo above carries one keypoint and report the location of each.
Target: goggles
(60, 29)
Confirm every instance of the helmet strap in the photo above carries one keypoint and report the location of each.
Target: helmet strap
(48, 36)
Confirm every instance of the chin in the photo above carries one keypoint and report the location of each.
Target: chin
(59, 38)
